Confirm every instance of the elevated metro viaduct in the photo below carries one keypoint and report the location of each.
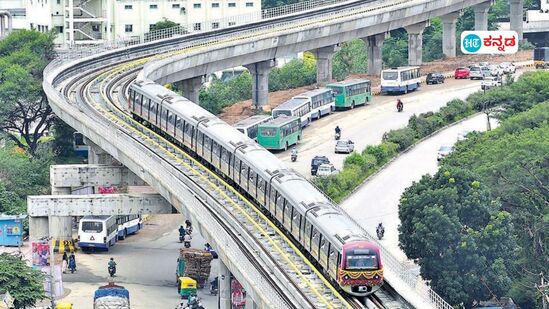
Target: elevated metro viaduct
(258, 53)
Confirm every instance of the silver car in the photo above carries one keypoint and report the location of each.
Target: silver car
(346, 146)
(475, 73)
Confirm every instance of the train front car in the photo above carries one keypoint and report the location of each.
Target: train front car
(361, 271)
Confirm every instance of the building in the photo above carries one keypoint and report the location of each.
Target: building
(97, 21)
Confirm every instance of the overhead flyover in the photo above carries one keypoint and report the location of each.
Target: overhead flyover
(178, 178)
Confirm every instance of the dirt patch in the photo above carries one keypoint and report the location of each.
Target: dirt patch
(242, 110)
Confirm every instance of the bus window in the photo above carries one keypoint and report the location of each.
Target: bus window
(390, 75)
(267, 131)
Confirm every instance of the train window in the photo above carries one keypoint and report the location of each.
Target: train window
(138, 99)
(179, 124)
(224, 155)
(152, 108)
(171, 118)
(207, 142)
(243, 172)
(132, 94)
(215, 148)
(273, 195)
(315, 239)
(236, 167)
(261, 185)
(199, 137)
(252, 178)
(332, 260)
(187, 128)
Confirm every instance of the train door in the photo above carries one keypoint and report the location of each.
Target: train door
(332, 261)
(296, 225)
(288, 216)
(280, 208)
(324, 252)
(261, 188)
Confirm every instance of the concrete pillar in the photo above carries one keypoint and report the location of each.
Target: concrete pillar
(191, 88)
(224, 286)
(374, 45)
(515, 15)
(415, 42)
(260, 81)
(60, 226)
(481, 15)
(96, 155)
(71, 22)
(2, 26)
(38, 228)
(324, 57)
(449, 34)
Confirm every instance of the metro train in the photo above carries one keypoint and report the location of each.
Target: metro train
(333, 242)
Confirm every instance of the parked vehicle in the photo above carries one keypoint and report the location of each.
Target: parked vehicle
(508, 67)
(475, 73)
(434, 78)
(326, 169)
(401, 79)
(461, 73)
(485, 72)
(490, 82)
(249, 125)
(351, 93)
(111, 296)
(346, 146)
(316, 162)
(443, 151)
(483, 64)
(495, 70)
(541, 57)
(279, 133)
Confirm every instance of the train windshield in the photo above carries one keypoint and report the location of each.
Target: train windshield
(361, 261)
(92, 227)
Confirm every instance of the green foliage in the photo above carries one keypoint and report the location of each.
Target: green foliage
(221, 94)
(404, 137)
(458, 234)
(395, 49)
(432, 41)
(512, 162)
(295, 73)
(24, 283)
(350, 59)
(267, 4)
(24, 111)
(164, 24)
(63, 139)
(22, 175)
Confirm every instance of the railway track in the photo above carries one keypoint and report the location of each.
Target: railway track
(104, 91)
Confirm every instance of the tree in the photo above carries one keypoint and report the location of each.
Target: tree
(164, 24)
(24, 111)
(24, 283)
(395, 49)
(459, 235)
(351, 58)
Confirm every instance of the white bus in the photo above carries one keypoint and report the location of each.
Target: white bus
(401, 79)
(249, 125)
(298, 107)
(322, 101)
(97, 232)
(128, 225)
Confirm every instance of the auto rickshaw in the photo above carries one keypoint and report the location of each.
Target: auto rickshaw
(63, 305)
(187, 286)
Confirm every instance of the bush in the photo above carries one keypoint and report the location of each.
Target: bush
(404, 137)
(382, 152)
(295, 73)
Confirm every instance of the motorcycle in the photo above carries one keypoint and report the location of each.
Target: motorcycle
(194, 303)
(112, 271)
(400, 107)
(337, 136)
(213, 287)
(294, 157)
(181, 237)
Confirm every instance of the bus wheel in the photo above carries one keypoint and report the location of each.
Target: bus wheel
(405, 89)
(353, 105)
(319, 114)
(286, 146)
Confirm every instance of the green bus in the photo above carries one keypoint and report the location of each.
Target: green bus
(351, 93)
(279, 133)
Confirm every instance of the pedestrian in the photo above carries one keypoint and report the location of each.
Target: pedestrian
(65, 262)
(72, 263)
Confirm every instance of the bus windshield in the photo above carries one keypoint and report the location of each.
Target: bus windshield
(267, 132)
(92, 227)
(390, 75)
(363, 261)
(277, 113)
(337, 90)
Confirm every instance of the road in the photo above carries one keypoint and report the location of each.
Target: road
(366, 125)
(146, 265)
(378, 199)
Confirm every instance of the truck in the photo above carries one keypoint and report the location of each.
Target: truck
(111, 296)
(541, 57)
(195, 264)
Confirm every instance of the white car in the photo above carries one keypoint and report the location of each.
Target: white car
(490, 82)
(495, 70)
(443, 151)
(326, 169)
(346, 146)
(463, 134)
(475, 72)
(508, 67)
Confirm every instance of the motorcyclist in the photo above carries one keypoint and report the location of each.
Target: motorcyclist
(187, 240)
(400, 105)
(294, 154)
(338, 130)
(189, 226)
(112, 267)
(380, 230)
